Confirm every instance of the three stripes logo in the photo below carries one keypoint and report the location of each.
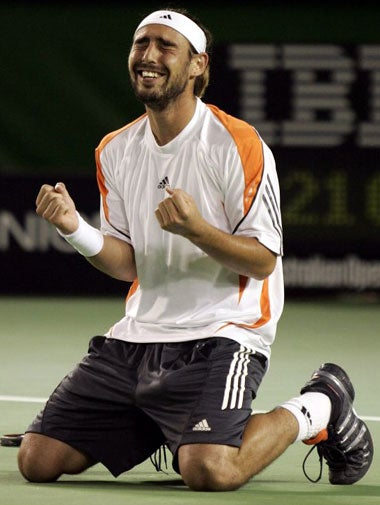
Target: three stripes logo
(202, 426)
(307, 414)
(235, 381)
(162, 184)
(273, 207)
(166, 16)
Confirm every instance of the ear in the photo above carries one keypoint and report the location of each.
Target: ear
(199, 64)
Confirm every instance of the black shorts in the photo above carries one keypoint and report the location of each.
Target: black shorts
(124, 400)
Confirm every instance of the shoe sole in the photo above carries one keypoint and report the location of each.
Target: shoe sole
(345, 477)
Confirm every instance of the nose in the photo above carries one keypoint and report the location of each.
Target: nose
(151, 53)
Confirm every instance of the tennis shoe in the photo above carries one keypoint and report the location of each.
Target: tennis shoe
(346, 444)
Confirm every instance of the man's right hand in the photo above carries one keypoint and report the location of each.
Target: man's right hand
(54, 204)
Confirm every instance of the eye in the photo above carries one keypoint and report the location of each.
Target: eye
(166, 43)
(141, 43)
(140, 46)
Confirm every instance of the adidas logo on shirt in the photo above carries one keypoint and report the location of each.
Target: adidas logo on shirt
(163, 183)
(202, 426)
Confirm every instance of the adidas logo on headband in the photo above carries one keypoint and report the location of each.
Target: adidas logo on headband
(182, 24)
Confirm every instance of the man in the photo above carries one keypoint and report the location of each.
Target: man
(190, 214)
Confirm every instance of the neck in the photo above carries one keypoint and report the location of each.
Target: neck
(168, 123)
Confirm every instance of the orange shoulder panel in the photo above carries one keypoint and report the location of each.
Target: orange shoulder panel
(250, 150)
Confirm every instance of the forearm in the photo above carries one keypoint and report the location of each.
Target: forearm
(108, 254)
(243, 255)
(116, 259)
(179, 214)
(111, 255)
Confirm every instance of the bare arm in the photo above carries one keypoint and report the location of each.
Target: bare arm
(116, 257)
(244, 255)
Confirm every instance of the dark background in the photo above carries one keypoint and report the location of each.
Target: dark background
(64, 85)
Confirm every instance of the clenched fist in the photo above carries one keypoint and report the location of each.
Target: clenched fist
(179, 213)
(54, 204)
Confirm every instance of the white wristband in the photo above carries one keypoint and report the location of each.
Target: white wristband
(86, 239)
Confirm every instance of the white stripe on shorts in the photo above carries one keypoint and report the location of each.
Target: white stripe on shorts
(235, 381)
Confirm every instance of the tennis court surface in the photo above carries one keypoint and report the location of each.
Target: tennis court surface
(42, 338)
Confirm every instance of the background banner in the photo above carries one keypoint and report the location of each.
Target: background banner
(313, 94)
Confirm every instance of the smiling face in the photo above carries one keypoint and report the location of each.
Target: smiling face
(160, 65)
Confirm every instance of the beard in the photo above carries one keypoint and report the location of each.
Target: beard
(159, 99)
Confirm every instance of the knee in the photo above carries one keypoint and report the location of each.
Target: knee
(33, 468)
(208, 474)
(34, 462)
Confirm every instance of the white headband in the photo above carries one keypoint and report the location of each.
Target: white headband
(184, 25)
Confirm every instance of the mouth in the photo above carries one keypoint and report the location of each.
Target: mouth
(149, 75)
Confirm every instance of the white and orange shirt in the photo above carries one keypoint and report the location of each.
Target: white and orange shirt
(181, 293)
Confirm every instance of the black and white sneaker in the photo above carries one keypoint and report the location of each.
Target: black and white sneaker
(347, 444)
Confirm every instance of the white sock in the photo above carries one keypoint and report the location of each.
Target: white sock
(312, 411)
